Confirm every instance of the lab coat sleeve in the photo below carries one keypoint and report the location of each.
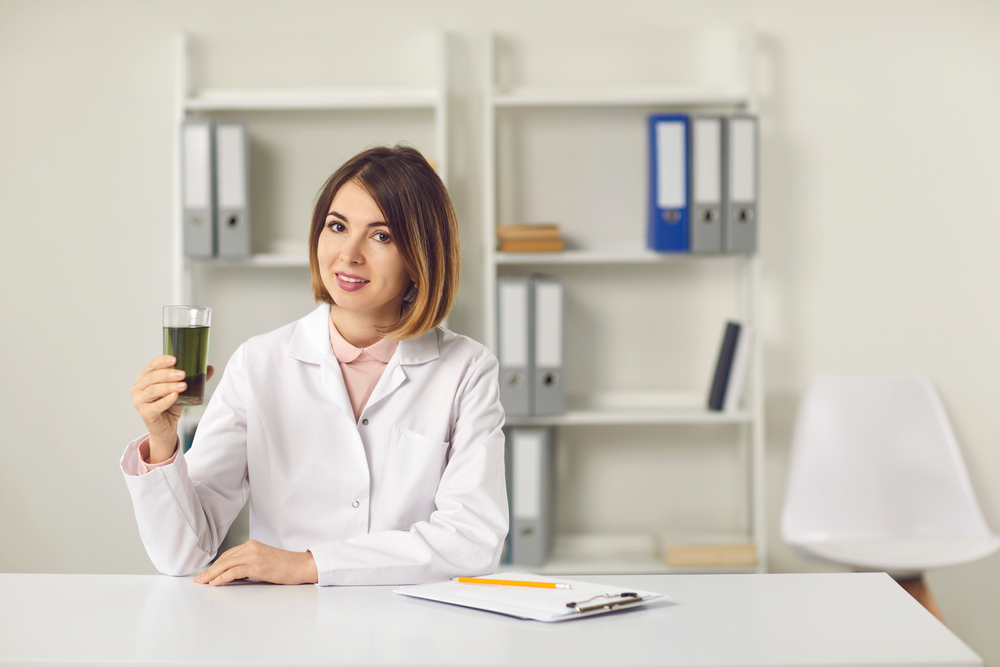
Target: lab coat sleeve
(464, 536)
(184, 509)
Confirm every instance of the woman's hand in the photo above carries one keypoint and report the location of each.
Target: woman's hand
(256, 560)
(154, 393)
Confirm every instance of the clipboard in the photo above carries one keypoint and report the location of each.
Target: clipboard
(537, 604)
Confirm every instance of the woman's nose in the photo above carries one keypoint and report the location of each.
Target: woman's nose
(351, 252)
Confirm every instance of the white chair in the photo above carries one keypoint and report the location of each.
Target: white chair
(876, 480)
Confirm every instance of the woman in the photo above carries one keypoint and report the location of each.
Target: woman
(367, 438)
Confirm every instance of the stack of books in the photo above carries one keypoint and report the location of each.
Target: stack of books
(712, 555)
(540, 237)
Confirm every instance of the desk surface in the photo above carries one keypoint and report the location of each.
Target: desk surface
(719, 620)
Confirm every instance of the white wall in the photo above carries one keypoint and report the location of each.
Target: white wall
(879, 229)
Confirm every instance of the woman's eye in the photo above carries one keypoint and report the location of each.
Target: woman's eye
(382, 237)
(335, 226)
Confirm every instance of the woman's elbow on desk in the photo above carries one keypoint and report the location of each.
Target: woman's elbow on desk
(180, 568)
(168, 559)
(483, 560)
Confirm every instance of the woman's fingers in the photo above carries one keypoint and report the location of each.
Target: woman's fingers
(166, 376)
(149, 400)
(156, 382)
(228, 559)
(158, 370)
(159, 407)
(157, 391)
(229, 575)
(156, 374)
(162, 361)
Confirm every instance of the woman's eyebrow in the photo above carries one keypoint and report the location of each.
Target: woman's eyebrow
(370, 224)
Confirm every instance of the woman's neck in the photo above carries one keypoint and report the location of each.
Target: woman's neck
(357, 329)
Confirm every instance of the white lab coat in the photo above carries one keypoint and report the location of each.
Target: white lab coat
(412, 492)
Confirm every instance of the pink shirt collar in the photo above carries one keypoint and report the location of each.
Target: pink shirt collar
(346, 353)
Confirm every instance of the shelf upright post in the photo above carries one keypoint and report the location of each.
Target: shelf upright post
(489, 197)
(441, 106)
(749, 53)
(757, 515)
(758, 453)
(179, 282)
(751, 439)
(745, 452)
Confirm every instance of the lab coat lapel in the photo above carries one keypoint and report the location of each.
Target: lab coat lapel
(333, 384)
(311, 343)
(408, 352)
(392, 377)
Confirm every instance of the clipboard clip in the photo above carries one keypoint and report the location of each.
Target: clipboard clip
(623, 600)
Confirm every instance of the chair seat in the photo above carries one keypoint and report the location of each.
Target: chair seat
(902, 554)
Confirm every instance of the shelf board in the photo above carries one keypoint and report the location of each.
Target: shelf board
(625, 417)
(671, 96)
(261, 260)
(578, 566)
(614, 554)
(622, 255)
(305, 99)
(635, 407)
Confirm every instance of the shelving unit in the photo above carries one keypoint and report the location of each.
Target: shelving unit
(281, 271)
(620, 251)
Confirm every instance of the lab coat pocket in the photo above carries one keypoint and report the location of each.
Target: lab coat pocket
(415, 466)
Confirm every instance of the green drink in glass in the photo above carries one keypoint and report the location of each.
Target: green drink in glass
(185, 337)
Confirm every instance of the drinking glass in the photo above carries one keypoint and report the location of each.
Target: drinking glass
(185, 337)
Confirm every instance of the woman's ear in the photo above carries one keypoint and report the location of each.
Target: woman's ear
(411, 293)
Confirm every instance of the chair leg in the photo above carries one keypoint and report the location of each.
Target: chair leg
(922, 594)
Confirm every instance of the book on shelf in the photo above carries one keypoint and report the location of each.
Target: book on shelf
(536, 237)
(731, 367)
(531, 246)
(738, 370)
(723, 367)
(712, 555)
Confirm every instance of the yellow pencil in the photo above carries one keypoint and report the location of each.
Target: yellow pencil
(509, 582)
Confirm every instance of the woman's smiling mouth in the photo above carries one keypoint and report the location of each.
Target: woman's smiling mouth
(347, 282)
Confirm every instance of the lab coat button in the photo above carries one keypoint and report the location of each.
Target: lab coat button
(355, 504)
(364, 422)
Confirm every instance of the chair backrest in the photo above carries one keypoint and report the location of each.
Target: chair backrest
(875, 458)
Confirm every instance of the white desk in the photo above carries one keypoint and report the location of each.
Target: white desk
(719, 620)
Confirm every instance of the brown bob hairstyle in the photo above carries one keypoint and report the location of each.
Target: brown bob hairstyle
(422, 225)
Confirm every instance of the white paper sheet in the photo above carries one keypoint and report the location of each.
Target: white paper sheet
(540, 604)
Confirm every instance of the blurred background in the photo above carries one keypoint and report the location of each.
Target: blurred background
(879, 146)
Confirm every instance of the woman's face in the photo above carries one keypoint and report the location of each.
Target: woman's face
(358, 260)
